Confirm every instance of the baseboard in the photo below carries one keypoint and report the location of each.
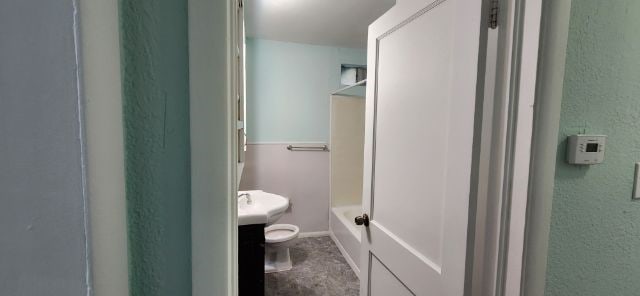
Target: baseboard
(313, 234)
(345, 254)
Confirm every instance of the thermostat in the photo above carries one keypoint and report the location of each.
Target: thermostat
(585, 149)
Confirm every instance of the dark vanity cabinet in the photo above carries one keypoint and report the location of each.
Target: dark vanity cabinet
(251, 260)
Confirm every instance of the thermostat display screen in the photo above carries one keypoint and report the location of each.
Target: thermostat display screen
(586, 149)
(592, 147)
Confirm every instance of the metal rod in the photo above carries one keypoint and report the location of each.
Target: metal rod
(307, 148)
(361, 82)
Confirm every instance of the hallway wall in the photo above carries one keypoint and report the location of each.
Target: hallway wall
(155, 63)
(43, 216)
(595, 228)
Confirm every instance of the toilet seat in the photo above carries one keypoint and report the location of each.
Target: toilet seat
(278, 233)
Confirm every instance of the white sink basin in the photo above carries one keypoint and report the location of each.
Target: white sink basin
(264, 207)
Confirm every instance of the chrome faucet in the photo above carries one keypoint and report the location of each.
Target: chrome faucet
(247, 195)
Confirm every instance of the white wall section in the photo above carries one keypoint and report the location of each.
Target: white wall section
(302, 176)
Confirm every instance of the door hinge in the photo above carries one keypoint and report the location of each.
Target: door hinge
(493, 13)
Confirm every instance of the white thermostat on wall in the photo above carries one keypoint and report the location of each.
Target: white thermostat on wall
(585, 149)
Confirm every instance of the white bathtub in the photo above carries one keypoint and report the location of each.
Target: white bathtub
(346, 234)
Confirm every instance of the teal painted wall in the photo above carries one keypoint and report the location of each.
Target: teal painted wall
(288, 88)
(156, 115)
(594, 246)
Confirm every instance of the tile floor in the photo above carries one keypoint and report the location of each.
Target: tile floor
(318, 269)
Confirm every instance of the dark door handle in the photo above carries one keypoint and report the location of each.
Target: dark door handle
(362, 220)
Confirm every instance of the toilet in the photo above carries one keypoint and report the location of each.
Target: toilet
(278, 239)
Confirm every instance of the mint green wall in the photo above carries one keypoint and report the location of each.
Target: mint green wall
(288, 88)
(156, 115)
(594, 246)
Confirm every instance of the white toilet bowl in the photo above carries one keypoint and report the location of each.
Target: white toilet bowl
(278, 238)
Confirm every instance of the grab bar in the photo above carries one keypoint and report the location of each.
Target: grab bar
(307, 148)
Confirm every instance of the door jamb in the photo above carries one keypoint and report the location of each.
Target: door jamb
(554, 35)
(515, 92)
(543, 36)
(524, 63)
(100, 72)
(213, 154)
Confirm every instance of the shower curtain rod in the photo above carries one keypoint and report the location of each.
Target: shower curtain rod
(361, 82)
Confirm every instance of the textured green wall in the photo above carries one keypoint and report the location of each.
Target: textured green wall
(156, 114)
(594, 246)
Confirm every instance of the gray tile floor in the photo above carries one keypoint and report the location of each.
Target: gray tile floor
(318, 269)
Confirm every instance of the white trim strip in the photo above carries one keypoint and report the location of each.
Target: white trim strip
(313, 234)
(100, 75)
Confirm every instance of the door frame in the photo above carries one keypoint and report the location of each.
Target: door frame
(524, 21)
(524, 232)
(508, 192)
(498, 250)
(101, 87)
(523, 251)
(212, 84)
(549, 91)
(212, 26)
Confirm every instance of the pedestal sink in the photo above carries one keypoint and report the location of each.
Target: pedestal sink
(259, 207)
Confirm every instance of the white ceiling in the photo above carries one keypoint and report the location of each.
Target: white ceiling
(341, 23)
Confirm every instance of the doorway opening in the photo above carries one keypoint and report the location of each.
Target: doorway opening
(301, 104)
(405, 14)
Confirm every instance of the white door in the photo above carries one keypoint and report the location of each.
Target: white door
(421, 101)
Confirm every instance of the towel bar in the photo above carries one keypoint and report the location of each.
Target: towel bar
(307, 148)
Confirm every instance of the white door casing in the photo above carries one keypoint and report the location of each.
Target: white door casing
(421, 103)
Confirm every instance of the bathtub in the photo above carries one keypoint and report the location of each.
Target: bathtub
(346, 234)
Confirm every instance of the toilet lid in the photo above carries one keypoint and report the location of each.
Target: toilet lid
(280, 232)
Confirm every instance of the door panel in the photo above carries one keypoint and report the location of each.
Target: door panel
(411, 267)
(384, 283)
(421, 101)
(405, 145)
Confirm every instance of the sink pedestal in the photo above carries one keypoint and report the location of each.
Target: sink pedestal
(251, 260)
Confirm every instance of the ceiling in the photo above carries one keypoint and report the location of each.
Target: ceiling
(340, 23)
